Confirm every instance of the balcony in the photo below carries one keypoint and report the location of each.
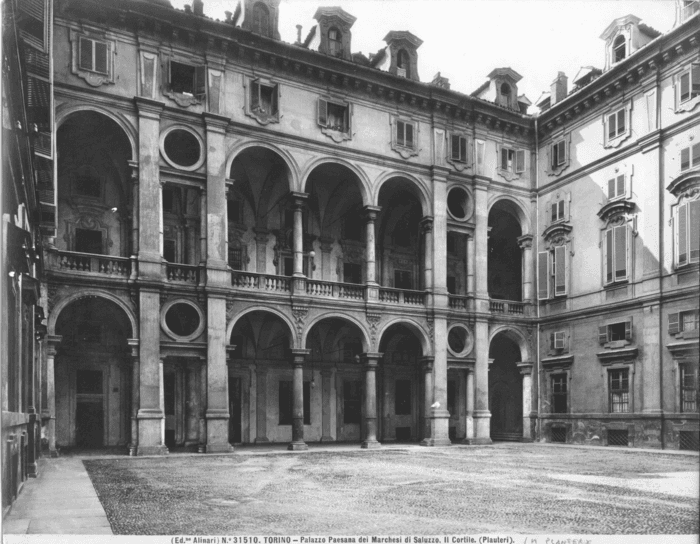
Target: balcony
(182, 273)
(89, 263)
(510, 307)
(265, 283)
(461, 303)
(347, 291)
(401, 296)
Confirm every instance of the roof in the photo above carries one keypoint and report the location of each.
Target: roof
(482, 88)
(396, 35)
(505, 72)
(335, 11)
(585, 72)
(544, 97)
(522, 99)
(620, 21)
(651, 32)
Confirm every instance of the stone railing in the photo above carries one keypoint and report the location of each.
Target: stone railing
(186, 273)
(351, 291)
(260, 282)
(460, 302)
(507, 307)
(103, 265)
(401, 296)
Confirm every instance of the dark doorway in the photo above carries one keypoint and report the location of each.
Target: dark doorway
(504, 256)
(234, 408)
(89, 424)
(505, 390)
(169, 405)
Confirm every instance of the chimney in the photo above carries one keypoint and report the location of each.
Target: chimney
(228, 16)
(198, 7)
(298, 33)
(559, 88)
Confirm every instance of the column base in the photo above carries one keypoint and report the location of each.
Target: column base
(152, 450)
(132, 451)
(430, 442)
(370, 445)
(327, 439)
(297, 446)
(477, 441)
(53, 453)
(526, 439)
(32, 470)
(218, 448)
(261, 440)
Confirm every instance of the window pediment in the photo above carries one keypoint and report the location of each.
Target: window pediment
(557, 231)
(687, 184)
(627, 354)
(561, 361)
(686, 349)
(616, 207)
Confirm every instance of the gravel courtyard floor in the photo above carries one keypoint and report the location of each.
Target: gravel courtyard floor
(506, 488)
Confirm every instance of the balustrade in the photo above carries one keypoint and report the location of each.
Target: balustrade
(401, 296)
(331, 289)
(507, 307)
(182, 272)
(103, 265)
(260, 282)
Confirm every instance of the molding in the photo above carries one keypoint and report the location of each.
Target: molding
(626, 355)
(561, 361)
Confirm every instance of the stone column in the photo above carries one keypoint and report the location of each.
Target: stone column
(134, 356)
(51, 347)
(439, 248)
(297, 442)
(261, 405)
(261, 237)
(427, 371)
(426, 225)
(482, 415)
(134, 167)
(471, 260)
(525, 243)
(651, 387)
(481, 245)
(299, 202)
(217, 377)
(150, 196)
(470, 403)
(202, 226)
(326, 243)
(526, 371)
(326, 375)
(202, 383)
(371, 360)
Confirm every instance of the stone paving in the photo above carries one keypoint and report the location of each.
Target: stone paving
(505, 488)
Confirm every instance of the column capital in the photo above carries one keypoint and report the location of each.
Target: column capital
(371, 212)
(298, 198)
(371, 359)
(261, 235)
(525, 241)
(148, 107)
(426, 224)
(52, 342)
(133, 347)
(134, 166)
(299, 355)
(427, 363)
(525, 368)
(229, 352)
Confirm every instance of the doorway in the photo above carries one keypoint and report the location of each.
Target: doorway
(89, 410)
(234, 408)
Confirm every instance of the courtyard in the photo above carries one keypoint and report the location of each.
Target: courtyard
(504, 488)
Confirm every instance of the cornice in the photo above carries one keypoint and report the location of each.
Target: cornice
(616, 207)
(684, 349)
(561, 361)
(685, 182)
(613, 355)
(557, 229)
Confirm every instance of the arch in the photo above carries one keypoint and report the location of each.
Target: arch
(413, 326)
(419, 190)
(366, 344)
(261, 308)
(64, 111)
(514, 206)
(292, 166)
(517, 336)
(88, 293)
(365, 185)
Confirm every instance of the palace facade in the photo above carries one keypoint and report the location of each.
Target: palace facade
(249, 241)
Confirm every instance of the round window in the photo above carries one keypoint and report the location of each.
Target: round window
(458, 203)
(183, 320)
(182, 149)
(459, 340)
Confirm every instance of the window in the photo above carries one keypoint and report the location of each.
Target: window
(619, 49)
(264, 99)
(187, 79)
(261, 19)
(512, 160)
(334, 116)
(553, 273)
(352, 395)
(452, 397)
(169, 251)
(614, 332)
(451, 242)
(286, 403)
(88, 241)
(558, 154)
(690, 157)
(458, 148)
(679, 322)
(402, 399)
(335, 44)
(93, 55)
(615, 254)
(689, 387)
(558, 208)
(352, 273)
(235, 258)
(404, 134)
(689, 83)
(616, 124)
(560, 394)
(616, 187)
(402, 279)
(451, 285)
(403, 64)
(557, 340)
(687, 226)
(619, 391)
(182, 149)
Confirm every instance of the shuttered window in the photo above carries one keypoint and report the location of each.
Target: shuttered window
(689, 83)
(619, 391)
(93, 55)
(616, 124)
(560, 271)
(690, 157)
(615, 254)
(263, 99)
(543, 275)
(458, 148)
(616, 187)
(404, 134)
(558, 153)
(557, 340)
(687, 226)
(333, 116)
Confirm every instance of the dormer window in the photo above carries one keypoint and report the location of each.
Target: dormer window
(261, 19)
(335, 46)
(619, 48)
(403, 64)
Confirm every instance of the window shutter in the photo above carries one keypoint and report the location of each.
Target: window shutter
(563, 157)
(560, 270)
(409, 134)
(462, 149)
(674, 323)
(200, 81)
(101, 57)
(603, 334)
(682, 234)
(685, 86)
(567, 206)
(694, 80)
(504, 158)
(254, 95)
(322, 112)
(455, 147)
(554, 212)
(85, 47)
(620, 185)
(399, 133)
(694, 231)
(628, 330)
(612, 126)
(685, 158)
(347, 115)
(611, 189)
(520, 160)
(543, 275)
(560, 206)
(275, 99)
(608, 255)
(621, 121)
(165, 71)
(551, 341)
(621, 244)
(695, 150)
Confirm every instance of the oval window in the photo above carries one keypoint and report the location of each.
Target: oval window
(182, 319)
(182, 148)
(457, 203)
(459, 340)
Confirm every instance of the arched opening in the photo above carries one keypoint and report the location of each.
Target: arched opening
(619, 48)
(505, 389)
(334, 364)
(336, 225)
(505, 275)
(262, 353)
(93, 375)
(400, 251)
(260, 214)
(401, 386)
(95, 199)
(261, 19)
(335, 44)
(403, 63)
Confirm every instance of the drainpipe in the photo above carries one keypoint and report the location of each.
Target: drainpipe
(537, 278)
(662, 204)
